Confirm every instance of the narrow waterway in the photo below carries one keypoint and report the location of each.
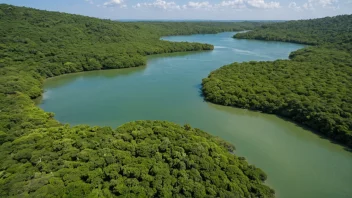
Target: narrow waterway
(298, 162)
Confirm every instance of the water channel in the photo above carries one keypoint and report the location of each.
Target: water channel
(298, 162)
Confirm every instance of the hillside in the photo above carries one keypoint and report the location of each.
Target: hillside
(41, 157)
(329, 31)
(313, 88)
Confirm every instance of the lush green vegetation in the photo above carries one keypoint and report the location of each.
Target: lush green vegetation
(314, 88)
(330, 31)
(38, 44)
(138, 159)
(43, 158)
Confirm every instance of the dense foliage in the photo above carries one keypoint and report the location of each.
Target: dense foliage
(329, 31)
(43, 158)
(38, 44)
(138, 159)
(314, 88)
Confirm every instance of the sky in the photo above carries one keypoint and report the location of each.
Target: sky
(194, 9)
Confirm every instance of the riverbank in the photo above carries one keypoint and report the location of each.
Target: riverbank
(41, 156)
(313, 88)
(296, 161)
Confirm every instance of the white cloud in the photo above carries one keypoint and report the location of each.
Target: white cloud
(327, 3)
(313, 4)
(263, 4)
(161, 4)
(239, 4)
(198, 5)
(113, 3)
(234, 4)
(294, 6)
(308, 5)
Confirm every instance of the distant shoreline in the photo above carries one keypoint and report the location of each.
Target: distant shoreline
(192, 20)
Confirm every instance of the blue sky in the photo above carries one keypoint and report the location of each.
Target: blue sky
(195, 9)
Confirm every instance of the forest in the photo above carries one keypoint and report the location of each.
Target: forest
(41, 157)
(138, 159)
(332, 32)
(313, 87)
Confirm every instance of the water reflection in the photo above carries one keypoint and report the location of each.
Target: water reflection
(62, 80)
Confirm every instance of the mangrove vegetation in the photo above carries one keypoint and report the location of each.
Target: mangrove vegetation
(313, 88)
(41, 157)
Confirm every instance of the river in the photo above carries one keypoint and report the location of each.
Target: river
(298, 162)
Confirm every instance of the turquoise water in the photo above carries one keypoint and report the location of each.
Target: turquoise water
(298, 162)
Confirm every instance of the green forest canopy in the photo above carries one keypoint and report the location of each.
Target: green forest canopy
(332, 32)
(41, 157)
(313, 88)
(143, 158)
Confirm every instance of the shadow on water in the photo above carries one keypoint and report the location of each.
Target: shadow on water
(110, 73)
(59, 81)
(316, 132)
(252, 113)
(174, 54)
(200, 92)
(262, 115)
